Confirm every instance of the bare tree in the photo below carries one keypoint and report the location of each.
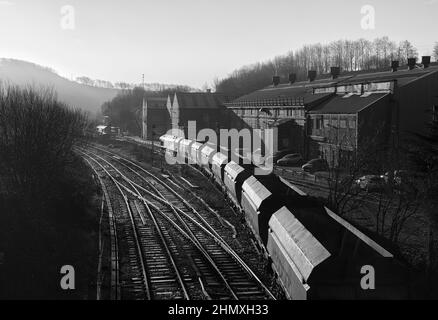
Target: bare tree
(435, 51)
(349, 55)
(36, 140)
(408, 50)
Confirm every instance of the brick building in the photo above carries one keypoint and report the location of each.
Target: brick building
(284, 106)
(344, 111)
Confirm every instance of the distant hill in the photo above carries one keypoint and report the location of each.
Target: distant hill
(73, 93)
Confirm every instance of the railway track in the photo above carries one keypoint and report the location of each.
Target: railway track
(114, 249)
(179, 251)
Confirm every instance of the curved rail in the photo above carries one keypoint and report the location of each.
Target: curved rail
(203, 224)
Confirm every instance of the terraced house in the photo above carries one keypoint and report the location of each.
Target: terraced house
(332, 115)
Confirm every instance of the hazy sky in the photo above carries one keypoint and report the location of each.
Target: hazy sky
(193, 41)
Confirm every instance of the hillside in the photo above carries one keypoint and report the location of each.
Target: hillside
(74, 94)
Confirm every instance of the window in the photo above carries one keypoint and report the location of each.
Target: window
(326, 122)
(318, 123)
(343, 124)
(352, 123)
(334, 122)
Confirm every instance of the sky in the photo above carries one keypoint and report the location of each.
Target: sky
(193, 41)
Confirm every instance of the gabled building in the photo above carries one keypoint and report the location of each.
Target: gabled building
(206, 108)
(374, 108)
(156, 118)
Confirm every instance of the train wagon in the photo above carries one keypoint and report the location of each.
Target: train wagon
(259, 201)
(170, 142)
(167, 140)
(291, 189)
(218, 163)
(234, 176)
(184, 150)
(207, 153)
(318, 255)
(294, 252)
(171, 145)
(195, 152)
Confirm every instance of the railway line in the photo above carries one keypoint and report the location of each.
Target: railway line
(167, 248)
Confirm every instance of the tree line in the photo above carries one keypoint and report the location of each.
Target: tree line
(350, 55)
(130, 86)
(37, 135)
(47, 213)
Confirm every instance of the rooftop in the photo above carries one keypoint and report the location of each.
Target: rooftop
(201, 100)
(282, 94)
(347, 104)
(157, 102)
(302, 93)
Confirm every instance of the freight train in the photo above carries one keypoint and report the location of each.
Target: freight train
(314, 253)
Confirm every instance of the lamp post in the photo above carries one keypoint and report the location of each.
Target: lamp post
(180, 158)
(153, 145)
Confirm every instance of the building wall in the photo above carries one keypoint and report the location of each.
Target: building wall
(375, 124)
(156, 122)
(257, 119)
(291, 134)
(415, 104)
(329, 135)
(205, 118)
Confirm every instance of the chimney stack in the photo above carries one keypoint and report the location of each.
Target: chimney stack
(311, 75)
(425, 61)
(412, 63)
(395, 65)
(335, 72)
(292, 78)
(276, 80)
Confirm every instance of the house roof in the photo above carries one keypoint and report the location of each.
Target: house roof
(281, 94)
(347, 104)
(157, 102)
(201, 100)
(403, 76)
(301, 93)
